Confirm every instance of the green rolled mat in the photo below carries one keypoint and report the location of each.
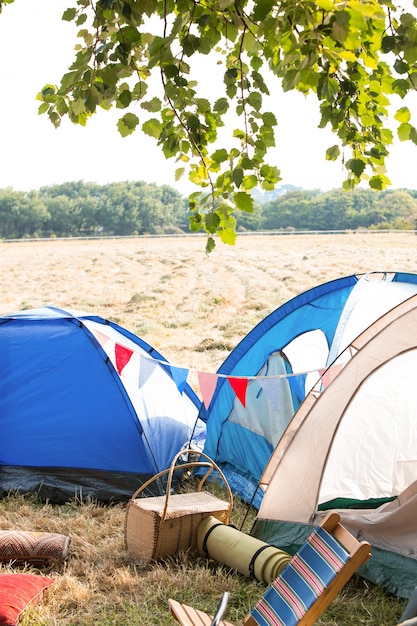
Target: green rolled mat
(249, 556)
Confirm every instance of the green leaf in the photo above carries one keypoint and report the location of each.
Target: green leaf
(401, 87)
(91, 100)
(195, 222)
(249, 182)
(220, 155)
(237, 176)
(203, 105)
(152, 128)
(261, 9)
(69, 81)
(403, 115)
(78, 106)
(388, 43)
(124, 99)
(379, 182)
(401, 67)
(329, 89)
(332, 153)
(270, 173)
(243, 201)
(255, 100)
(410, 51)
(82, 59)
(413, 134)
(290, 80)
(228, 235)
(179, 173)
(269, 119)
(212, 222)
(340, 27)
(357, 166)
(153, 106)
(221, 106)
(210, 245)
(69, 15)
(127, 124)
(386, 136)
(43, 108)
(404, 131)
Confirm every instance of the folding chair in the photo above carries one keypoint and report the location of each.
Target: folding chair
(307, 585)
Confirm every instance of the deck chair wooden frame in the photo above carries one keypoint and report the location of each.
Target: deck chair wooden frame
(358, 551)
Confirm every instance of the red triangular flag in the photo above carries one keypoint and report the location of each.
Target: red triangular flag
(122, 357)
(207, 384)
(239, 386)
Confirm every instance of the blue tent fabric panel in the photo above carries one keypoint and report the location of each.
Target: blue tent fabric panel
(319, 307)
(405, 277)
(296, 316)
(243, 440)
(72, 423)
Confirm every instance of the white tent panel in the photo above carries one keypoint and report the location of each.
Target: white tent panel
(374, 454)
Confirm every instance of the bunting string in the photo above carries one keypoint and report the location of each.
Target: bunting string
(208, 381)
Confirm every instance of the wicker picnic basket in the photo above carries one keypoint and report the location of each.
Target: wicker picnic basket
(159, 526)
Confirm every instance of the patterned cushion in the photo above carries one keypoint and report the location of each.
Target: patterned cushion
(33, 547)
(298, 586)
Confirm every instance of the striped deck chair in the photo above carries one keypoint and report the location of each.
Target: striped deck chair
(307, 585)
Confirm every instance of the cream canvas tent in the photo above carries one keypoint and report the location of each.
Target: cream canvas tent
(353, 448)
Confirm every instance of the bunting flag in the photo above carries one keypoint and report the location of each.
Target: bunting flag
(207, 384)
(101, 338)
(298, 386)
(239, 386)
(146, 369)
(330, 374)
(123, 355)
(179, 374)
(270, 387)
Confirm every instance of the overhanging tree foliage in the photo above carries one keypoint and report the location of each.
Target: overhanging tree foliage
(353, 54)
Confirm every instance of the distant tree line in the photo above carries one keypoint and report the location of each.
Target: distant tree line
(77, 209)
(336, 210)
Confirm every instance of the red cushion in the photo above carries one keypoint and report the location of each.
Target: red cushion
(17, 591)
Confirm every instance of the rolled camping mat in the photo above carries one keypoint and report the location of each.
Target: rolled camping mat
(249, 556)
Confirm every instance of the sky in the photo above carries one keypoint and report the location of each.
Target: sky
(37, 47)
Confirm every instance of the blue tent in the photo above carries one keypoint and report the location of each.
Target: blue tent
(282, 359)
(87, 408)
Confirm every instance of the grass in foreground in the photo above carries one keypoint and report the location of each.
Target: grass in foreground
(103, 585)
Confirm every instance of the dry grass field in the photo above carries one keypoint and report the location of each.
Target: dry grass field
(193, 309)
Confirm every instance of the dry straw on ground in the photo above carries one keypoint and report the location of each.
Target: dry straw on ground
(194, 309)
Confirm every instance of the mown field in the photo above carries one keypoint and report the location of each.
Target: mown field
(194, 309)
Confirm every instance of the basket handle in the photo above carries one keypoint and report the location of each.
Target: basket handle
(209, 464)
(154, 478)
